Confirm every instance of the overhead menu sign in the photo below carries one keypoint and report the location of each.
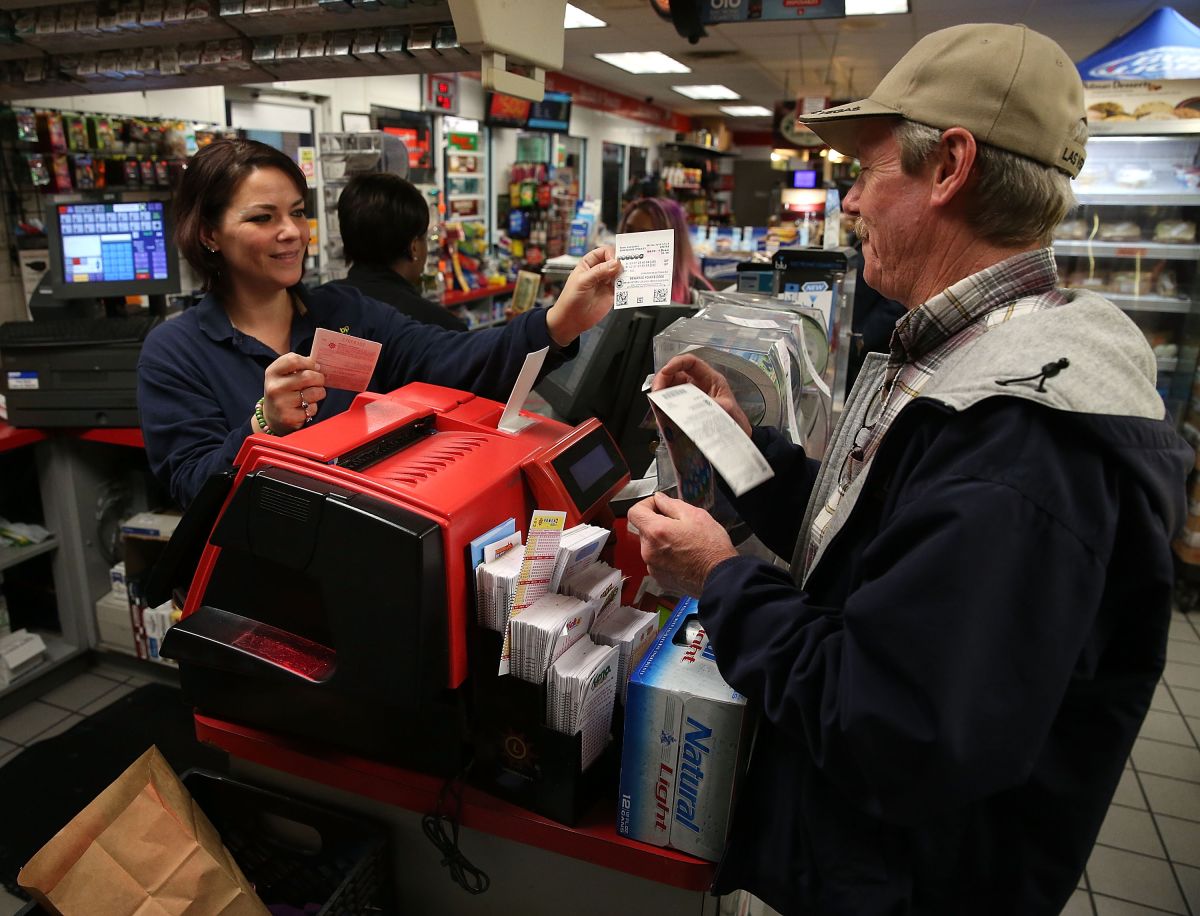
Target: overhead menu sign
(715, 11)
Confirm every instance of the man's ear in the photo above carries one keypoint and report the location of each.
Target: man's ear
(952, 164)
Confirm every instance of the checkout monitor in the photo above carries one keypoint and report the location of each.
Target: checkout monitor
(605, 379)
(111, 247)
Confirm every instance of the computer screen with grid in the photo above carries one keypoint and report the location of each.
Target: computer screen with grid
(113, 247)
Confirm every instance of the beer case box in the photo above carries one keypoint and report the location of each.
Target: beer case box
(687, 736)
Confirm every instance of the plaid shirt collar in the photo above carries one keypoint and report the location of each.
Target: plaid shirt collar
(924, 338)
(930, 325)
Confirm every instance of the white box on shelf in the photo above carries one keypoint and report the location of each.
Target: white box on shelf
(19, 652)
(150, 525)
(113, 622)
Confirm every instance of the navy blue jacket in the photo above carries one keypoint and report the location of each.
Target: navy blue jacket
(947, 705)
(199, 378)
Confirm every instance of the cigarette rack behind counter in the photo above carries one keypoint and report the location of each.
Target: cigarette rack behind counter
(331, 596)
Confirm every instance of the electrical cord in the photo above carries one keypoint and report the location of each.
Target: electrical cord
(466, 875)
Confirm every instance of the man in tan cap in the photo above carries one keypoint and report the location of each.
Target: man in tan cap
(954, 670)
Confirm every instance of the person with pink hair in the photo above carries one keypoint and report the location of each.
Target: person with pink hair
(662, 213)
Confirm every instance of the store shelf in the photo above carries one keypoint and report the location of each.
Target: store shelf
(58, 652)
(1179, 198)
(18, 51)
(326, 20)
(1143, 128)
(465, 196)
(200, 76)
(170, 33)
(429, 17)
(1166, 304)
(472, 295)
(11, 556)
(464, 152)
(1129, 250)
(1167, 364)
(594, 839)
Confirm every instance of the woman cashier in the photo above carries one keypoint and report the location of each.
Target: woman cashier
(235, 364)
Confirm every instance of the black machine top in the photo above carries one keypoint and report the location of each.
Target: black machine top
(61, 332)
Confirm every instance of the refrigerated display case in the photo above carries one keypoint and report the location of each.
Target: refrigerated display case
(1133, 240)
(466, 172)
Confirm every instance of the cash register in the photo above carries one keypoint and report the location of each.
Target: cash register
(75, 363)
(333, 592)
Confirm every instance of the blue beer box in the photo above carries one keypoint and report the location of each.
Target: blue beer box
(687, 737)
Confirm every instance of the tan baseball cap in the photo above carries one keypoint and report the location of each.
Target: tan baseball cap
(1012, 87)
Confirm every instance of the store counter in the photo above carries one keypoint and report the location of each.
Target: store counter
(583, 870)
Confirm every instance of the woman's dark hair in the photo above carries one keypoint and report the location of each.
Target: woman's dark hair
(380, 215)
(210, 180)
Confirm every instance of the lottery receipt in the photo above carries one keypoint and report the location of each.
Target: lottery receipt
(346, 362)
(647, 266)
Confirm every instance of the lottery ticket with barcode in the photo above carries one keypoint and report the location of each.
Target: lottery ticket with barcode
(647, 267)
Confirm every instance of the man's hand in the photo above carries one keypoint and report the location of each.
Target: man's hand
(587, 296)
(680, 543)
(688, 368)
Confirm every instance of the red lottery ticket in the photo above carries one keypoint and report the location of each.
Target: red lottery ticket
(347, 362)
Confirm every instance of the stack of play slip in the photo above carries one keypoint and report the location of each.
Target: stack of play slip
(580, 692)
(631, 631)
(579, 547)
(495, 588)
(544, 632)
(598, 584)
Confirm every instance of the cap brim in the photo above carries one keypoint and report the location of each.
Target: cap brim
(839, 126)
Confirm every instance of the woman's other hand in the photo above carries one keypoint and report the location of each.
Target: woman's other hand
(687, 368)
(293, 390)
(586, 298)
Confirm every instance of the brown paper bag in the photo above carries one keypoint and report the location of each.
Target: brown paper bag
(142, 848)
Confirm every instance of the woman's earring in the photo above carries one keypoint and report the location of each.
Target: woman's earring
(210, 249)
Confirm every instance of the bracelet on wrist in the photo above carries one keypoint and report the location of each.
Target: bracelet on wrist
(262, 418)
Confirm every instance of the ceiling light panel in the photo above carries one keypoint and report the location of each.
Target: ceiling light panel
(706, 92)
(644, 62)
(578, 19)
(746, 111)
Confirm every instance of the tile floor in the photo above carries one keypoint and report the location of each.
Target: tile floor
(1146, 859)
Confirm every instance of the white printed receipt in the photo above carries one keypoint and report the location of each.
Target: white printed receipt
(647, 266)
(346, 362)
(716, 434)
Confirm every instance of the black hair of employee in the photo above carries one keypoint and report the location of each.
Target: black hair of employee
(210, 180)
(381, 215)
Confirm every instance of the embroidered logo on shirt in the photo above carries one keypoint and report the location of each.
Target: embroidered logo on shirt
(345, 329)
